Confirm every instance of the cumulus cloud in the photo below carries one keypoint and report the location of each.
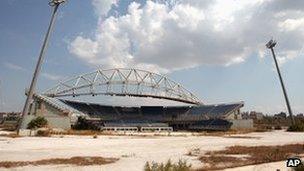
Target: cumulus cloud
(164, 36)
(102, 7)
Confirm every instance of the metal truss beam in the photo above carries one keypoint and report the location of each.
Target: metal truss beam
(123, 82)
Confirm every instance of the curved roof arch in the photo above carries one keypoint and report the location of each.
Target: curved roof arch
(123, 82)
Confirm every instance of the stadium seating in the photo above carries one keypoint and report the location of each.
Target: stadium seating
(223, 109)
(202, 116)
(211, 124)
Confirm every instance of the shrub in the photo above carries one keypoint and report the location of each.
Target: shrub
(83, 124)
(299, 127)
(268, 127)
(181, 165)
(147, 167)
(43, 133)
(37, 122)
(278, 127)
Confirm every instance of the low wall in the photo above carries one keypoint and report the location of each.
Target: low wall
(241, 124)
(62, 122)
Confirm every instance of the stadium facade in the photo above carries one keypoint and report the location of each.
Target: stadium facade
(194, 115)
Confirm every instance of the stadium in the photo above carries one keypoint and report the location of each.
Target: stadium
(59, 107)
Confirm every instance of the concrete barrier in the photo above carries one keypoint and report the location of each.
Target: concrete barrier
(27, 132)
(241, 124)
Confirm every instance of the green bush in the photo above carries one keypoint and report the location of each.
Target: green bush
(299, 127)
(37, 122)
(181, 165)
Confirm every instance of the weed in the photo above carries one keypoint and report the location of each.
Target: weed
(181, 165)
(299, 127)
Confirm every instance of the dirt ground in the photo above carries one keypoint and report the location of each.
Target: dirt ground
(134, 151)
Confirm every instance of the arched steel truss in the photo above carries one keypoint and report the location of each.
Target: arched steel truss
(123, 82)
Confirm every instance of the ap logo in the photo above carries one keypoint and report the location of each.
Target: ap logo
(293, 162)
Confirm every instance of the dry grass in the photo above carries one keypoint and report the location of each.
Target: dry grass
(79, 161)
(88, 133)
(224, 133)
(75, 132)
(216, 162)
(236, 156)
(242, 137)
(194, 152)
(11, 135)
(156, 134)
(110, 133)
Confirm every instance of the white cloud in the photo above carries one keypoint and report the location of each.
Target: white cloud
(14, 66)
(86, 48)
(165, 36)
(102, 7)
(292, 24)
(51, 76)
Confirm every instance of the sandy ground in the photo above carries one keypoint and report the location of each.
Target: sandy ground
(263, 167)
(134, 151)
(4, 132)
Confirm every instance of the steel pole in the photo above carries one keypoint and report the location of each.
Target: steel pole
(29, 98)
(283, 87)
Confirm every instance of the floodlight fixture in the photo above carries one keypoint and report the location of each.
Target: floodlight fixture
(271, 44)
(56, 2)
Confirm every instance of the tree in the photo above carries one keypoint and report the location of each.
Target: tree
(37, 122)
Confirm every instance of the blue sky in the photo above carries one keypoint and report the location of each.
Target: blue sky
(236, 70)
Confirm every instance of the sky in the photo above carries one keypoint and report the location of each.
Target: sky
(216, 49)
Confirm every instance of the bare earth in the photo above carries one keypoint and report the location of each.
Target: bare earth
(134, 151)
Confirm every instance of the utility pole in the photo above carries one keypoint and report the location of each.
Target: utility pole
(270, 45)
(55, 4)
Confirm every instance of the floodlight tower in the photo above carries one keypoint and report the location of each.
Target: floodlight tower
(55, 4)
(270, 45)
